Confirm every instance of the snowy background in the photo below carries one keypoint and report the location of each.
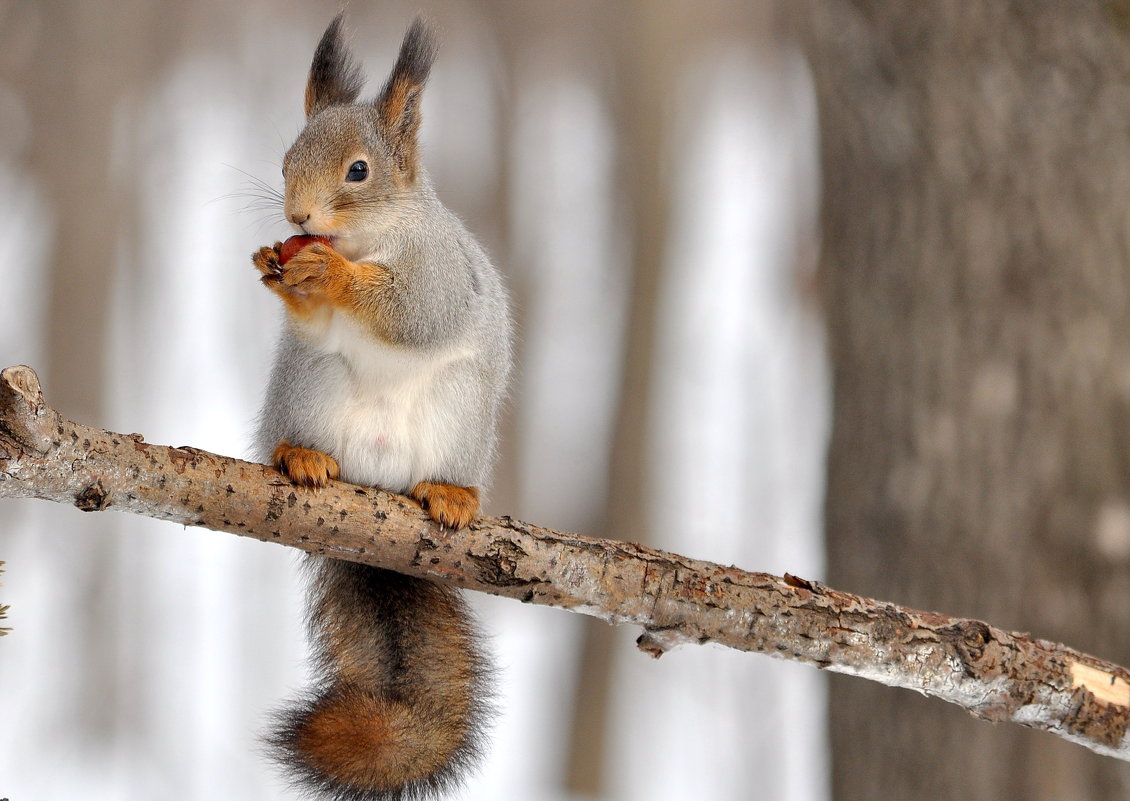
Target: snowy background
(670, 347)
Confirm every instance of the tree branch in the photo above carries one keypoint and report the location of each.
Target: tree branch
(994, 674)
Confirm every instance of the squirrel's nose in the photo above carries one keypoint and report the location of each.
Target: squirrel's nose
(299, 217)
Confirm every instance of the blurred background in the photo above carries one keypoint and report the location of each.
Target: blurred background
(846, 279)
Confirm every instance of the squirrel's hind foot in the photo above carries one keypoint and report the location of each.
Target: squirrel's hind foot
(305, 466)
(448, 505)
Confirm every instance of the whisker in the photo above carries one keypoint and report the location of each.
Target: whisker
(256, 181)
(251, 194)
(343, 202)
(258, 194)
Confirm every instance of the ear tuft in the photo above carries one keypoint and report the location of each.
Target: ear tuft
(398, 105)
(417, 53)
(335, 78)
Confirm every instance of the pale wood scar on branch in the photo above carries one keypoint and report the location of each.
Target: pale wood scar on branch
(996, 675)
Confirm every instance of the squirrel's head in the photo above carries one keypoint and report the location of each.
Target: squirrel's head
(353, 161)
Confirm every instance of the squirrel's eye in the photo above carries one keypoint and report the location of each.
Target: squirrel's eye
(358, 171)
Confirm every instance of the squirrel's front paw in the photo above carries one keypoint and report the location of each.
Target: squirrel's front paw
(266, 261)
(313, 269)
(305, 466)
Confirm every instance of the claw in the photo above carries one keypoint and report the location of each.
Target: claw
(305, 466)
(448, 505)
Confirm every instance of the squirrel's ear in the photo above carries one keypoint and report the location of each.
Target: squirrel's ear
(335, 78)
(398, 105)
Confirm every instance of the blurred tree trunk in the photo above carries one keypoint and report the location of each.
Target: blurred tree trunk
(977, 198)
(647, 63)
(72, 115)
(82, 72)
(655, 44)
(73, 94)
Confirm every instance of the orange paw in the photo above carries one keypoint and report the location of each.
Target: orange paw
(266, 261)
(305, 466)
(446, 504)
(315, 269)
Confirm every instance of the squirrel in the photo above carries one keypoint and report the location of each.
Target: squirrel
(390, 372)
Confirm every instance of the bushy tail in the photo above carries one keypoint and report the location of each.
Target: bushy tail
(401, 698)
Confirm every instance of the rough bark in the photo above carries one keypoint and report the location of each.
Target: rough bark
(977, 186)
(994, 674)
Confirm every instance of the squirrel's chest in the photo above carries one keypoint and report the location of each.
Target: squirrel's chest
(380, 434)
(394, 412)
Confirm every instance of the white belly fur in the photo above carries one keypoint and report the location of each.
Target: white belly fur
(393, 420)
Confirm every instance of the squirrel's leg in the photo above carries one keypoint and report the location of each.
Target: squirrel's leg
(305, 465)
(447, 504)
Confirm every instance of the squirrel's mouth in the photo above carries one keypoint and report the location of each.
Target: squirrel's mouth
(330, 239)
(333, 240)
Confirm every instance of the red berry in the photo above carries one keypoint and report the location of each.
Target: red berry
(296, 243)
